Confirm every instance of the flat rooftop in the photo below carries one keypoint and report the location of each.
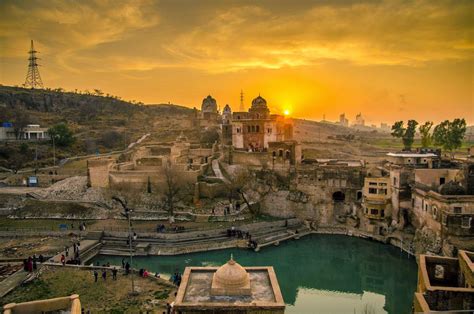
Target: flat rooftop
(195, 290)
(412, 155)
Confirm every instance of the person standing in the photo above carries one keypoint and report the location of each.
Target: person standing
(63, 259)
(35, 266)
(96, 275)
(66, 249)
(114, 273)
(104, 274)
(123, 263)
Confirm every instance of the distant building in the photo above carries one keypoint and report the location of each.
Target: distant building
(343, 121)
(30, 132)
(255, 129)
(230, 288)
(384, 127)
(209, 115)
(227, 125)
(359, 121)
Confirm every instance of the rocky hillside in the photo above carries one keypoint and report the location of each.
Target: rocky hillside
(100, 123)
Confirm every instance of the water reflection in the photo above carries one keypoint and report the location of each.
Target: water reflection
(324, 274)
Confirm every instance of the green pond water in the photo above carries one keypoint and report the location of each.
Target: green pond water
(318, 273)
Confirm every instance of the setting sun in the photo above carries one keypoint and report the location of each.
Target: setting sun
(286, 112)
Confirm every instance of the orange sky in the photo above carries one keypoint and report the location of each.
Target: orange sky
(390, 60)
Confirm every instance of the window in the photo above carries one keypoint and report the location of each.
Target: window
(466, 222)
(434, 209)
(426, 207)
(372, 183)
(238, 117)
(374, 211)
(248, 128)
(269, 130)
(442, 180)
(394, 180)
(280, 153)
(457, 210)
(238, 130)
(444, 220)
(366, 210)
(382, 213)
(383, 184)
(372, 191)
(253, 128)
(257, 128)
(383, 191)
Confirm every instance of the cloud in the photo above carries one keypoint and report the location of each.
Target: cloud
(63, 29)
(373, 33)
(144, 35)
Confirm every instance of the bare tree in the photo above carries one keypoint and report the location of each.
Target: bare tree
(172, 188)
(238, 183)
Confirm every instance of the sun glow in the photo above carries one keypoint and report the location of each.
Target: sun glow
(286, 112)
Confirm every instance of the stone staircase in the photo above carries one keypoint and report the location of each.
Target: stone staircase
(265, 233)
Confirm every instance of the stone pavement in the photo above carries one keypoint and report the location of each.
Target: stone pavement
(85, 244)
(13, 281)
(218, 172)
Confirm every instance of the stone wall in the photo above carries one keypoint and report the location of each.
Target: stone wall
(98, 172)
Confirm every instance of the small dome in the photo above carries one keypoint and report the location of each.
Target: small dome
(231, 274)
(227, 109)
(230, 279)
(259, 103)
(209, 104)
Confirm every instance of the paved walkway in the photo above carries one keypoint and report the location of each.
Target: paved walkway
(218, 172)
(85, 244)
(13, 281)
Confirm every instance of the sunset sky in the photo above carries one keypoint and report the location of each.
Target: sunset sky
(387, 59)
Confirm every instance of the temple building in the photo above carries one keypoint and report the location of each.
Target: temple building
(255, 129)
(209, 115)
(230, 288)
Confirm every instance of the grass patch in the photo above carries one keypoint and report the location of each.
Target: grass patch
(103, 296)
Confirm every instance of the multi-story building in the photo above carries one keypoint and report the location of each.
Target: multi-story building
(255, 129)
(377, 197)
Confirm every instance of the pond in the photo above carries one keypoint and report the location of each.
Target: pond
(318, 273)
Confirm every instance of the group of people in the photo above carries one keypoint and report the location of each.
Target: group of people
(31, 263)
(161, 228)
(104, 274)
(75, 259)
(229, 208)
(232, 232)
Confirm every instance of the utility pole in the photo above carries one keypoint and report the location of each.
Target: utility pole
(242, 109)
(54, 152)
(127, 214)
(33, 78)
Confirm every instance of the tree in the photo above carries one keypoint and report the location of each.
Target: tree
(61, 135)
(449, 135)
(426, 137)
(20, 121)
(406, 134)
(172, 188)
(237, 184)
